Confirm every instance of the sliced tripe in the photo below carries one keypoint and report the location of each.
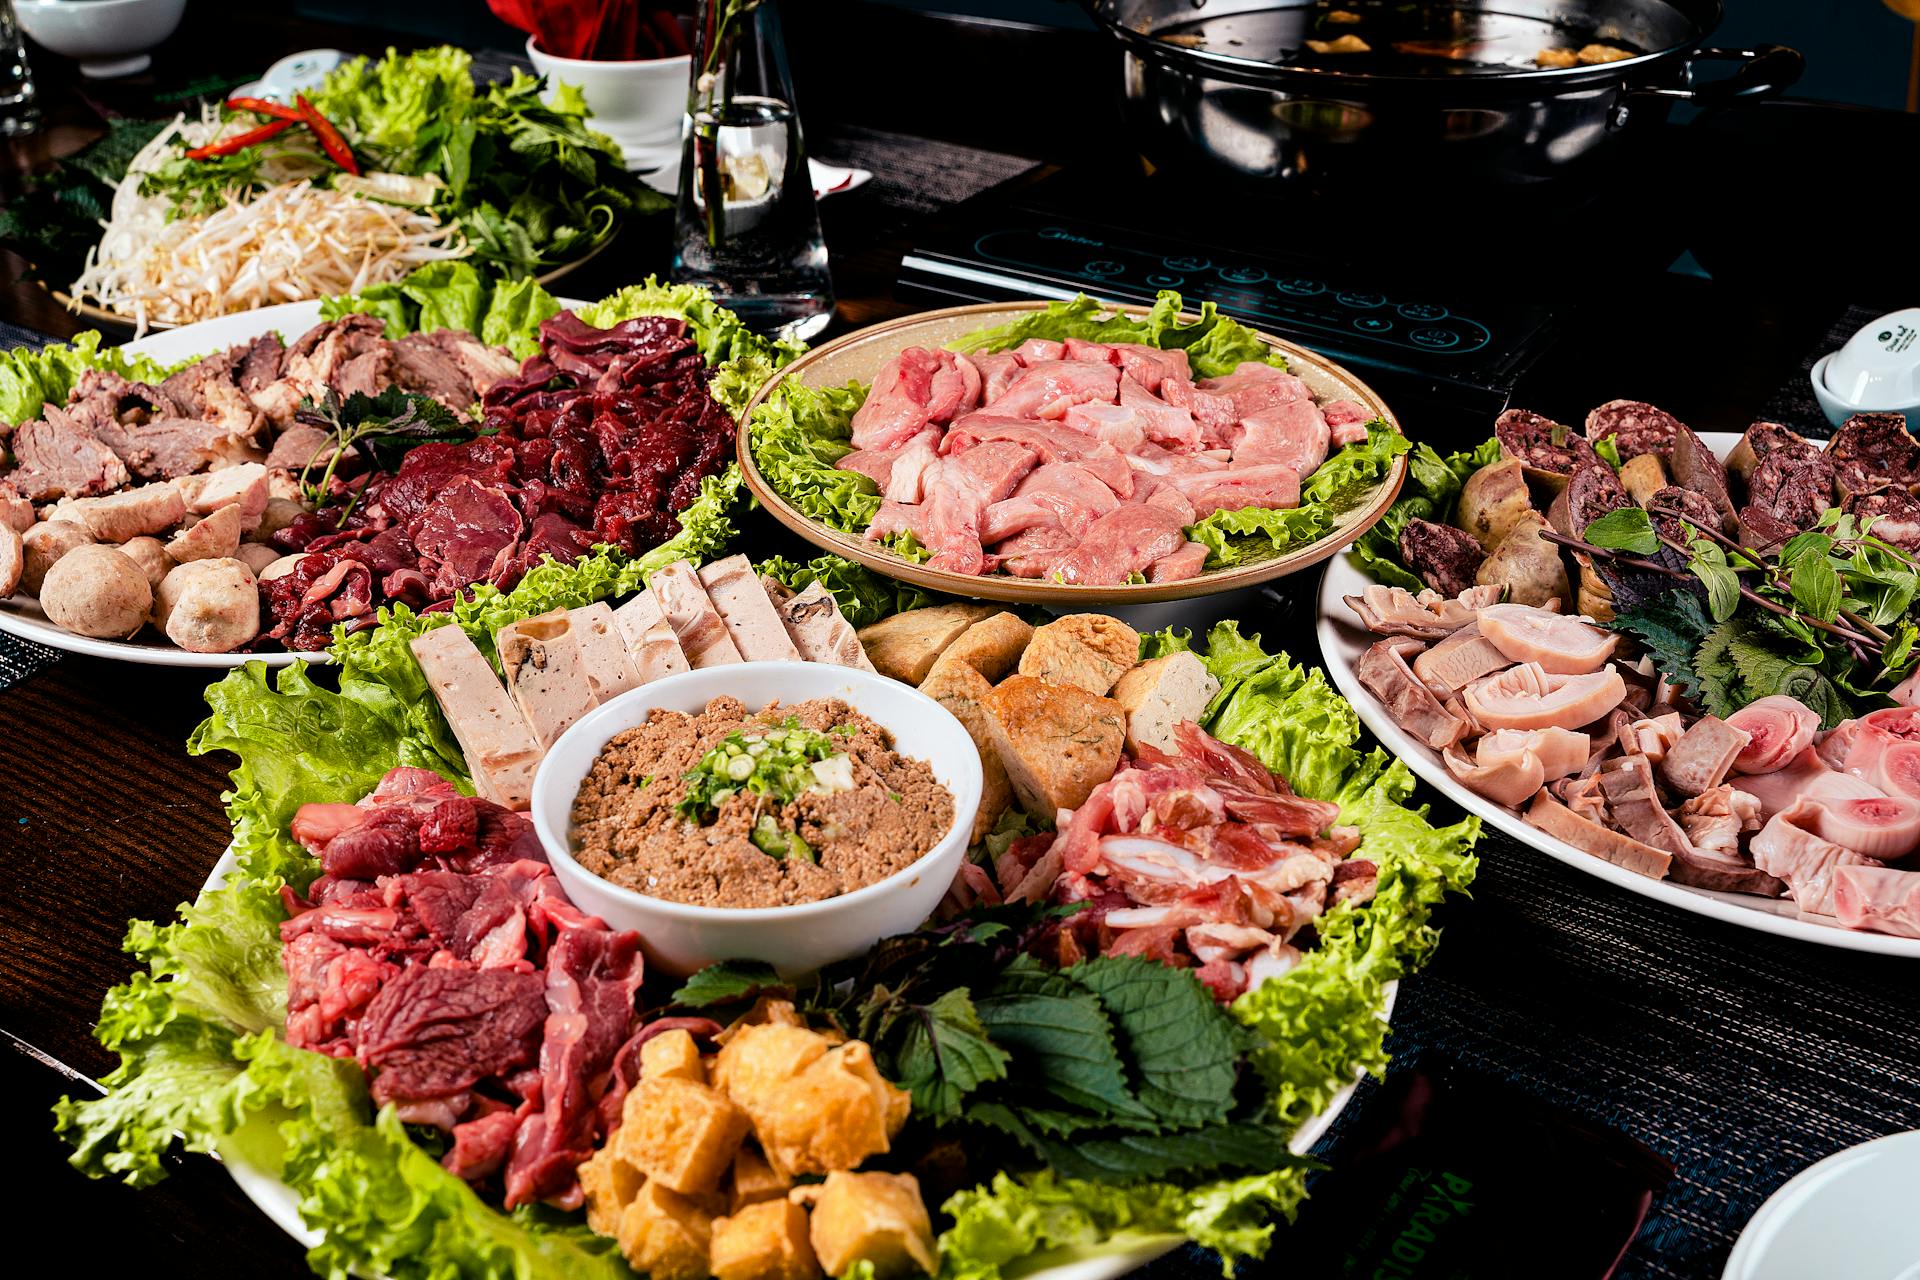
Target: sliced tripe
(501, 753)
(745, 610)
(651, 645)
(689, 611)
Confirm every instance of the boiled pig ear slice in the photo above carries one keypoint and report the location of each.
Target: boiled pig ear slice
(1778, 728)
(1511, 780)
(1560, 644)
(1529, 697)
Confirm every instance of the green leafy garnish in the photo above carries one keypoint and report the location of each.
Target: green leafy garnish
(1628, 529)
(777, 763)
(1432, 488)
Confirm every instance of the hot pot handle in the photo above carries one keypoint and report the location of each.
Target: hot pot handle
(1768, 70)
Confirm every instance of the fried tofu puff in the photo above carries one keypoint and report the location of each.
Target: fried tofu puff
(814, 1108)
(681, 1133)
(770, 1240)
(871, 1217)
(754, 1179)
(665, 1236)
(672, 1056)
(610, 1184)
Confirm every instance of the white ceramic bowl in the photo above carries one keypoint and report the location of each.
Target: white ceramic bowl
(109, 37)
(1877, 371)
(640, 104)
(681, 938)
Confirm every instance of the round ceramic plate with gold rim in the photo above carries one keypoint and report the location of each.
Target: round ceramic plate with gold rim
(118, 323)
(858, 357)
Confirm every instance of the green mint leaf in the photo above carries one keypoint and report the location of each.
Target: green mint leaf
(945, 1055)
(1184, 1047)
(726, 983)
(1670, 628)
(1803, 545)
(1628, 529)
(1816, 588)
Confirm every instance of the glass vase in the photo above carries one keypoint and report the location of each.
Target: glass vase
(746, 226)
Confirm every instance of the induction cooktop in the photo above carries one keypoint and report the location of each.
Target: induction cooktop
(1435, 304)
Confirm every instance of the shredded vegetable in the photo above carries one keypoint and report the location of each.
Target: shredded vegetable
(290, 241)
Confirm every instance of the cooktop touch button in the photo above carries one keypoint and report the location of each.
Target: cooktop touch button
(1421, 311)
(1363, 301)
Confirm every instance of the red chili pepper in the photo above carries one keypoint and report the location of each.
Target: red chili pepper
(330, 140)
(278, 110)
(240, 141)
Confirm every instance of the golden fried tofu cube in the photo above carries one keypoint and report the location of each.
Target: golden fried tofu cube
(832, 1115)
(872, 1217)
(755, 1180)
(672, 1056)
(765, 1241)
(610, 1184)
(762, 1056)
(665, 1236)
(681, 1133)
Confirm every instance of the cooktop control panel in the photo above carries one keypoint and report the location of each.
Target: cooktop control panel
(1423, 341)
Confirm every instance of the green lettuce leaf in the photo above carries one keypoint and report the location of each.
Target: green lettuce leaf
(863, 596)
(32, 379)
(1433, 486)
(1044, 1219)
(798, 434)
(1215, 344)
(452, 295)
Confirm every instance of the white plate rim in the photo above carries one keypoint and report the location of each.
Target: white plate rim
(1341, 643)
(277, 1201)
(21, 616)
(1790, 1199)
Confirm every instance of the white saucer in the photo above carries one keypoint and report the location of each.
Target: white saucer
(1851, 1215)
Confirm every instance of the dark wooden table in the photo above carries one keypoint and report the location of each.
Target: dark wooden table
(104, 817)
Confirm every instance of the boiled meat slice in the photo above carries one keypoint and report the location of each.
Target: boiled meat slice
(1458, 660)
(1560, 751)
(1634, 801)
(916, 388)
(1563, 823)
(1789, 848)
(1527, 697)
(1878, 898)
(1559, 644)
(1384, 671)
(1052, 441)
(1122, 543)
(1510, 779)
(1700, 760)
(1395, 611)
(1778, 728)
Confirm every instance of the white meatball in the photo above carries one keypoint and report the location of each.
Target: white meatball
(209, 606)
(44, 544)
(96, 591)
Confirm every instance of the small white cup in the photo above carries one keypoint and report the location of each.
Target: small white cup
(678, 937)
(638, 104)
(1878, 371)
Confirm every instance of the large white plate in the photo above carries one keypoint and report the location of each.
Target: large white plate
(21, 616)
(1849, 1215)
(1343, 640)
(279, 1202)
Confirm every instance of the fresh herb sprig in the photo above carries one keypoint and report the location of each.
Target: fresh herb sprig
(1831, 618)
(380, 429)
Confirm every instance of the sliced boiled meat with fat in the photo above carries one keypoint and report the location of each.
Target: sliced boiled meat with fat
(1560, 645)
(1528, 697)
(1778, 729)
(1511, 779)
(1882, 899)
(1560, 751)
(1789, 847)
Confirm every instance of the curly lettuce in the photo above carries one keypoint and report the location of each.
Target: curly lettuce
(1215, 344)
(1433, 487)
(30, 380)
(452, 295)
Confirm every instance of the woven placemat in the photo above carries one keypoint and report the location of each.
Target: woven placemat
(911, 176)
(1793, 403)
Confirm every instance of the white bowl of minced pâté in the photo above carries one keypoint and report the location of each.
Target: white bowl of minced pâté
(794, 813)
